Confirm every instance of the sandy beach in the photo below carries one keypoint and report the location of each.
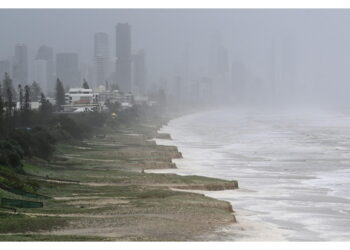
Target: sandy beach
(99, 191)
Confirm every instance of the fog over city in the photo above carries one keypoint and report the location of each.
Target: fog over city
(247, 56)
(106, 114)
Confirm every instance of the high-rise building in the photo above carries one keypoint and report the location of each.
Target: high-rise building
(139, 72)
(239, 78)
(5, 67)
(45, 54)
(123, 53)
(67, 69)
(40, 74)
(101, 58)
(20, 65)
(222, 63)
(219, 70)
(87, 74)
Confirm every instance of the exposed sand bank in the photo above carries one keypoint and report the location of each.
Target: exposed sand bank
(100, 189)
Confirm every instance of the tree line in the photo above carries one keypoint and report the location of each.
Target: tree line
(27, 132)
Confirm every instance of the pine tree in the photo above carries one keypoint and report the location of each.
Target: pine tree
(35, 92)
(45, 107)
(1, 113)
(26, 106)
(8, 93)
(9, 108)
(26, 98)
(8, 87)
(20, 92)
(60, 98)
(85, 84)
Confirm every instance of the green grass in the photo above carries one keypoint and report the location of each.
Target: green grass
(18, 223)
(157, 194)
(47, 237)
(12, 179)
(145, 198)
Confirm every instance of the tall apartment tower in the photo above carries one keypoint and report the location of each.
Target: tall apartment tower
(20, 65)
(44, 69)
(101, 58)
(40, 74)
(139, 72)
(67, 69)
(123, 53)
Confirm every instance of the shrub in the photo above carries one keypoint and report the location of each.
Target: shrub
(10, 154)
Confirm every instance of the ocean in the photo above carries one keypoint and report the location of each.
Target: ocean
(292, 166)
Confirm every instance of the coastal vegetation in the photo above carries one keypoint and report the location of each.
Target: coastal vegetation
(87, 173)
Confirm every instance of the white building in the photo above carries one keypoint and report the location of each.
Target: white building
(32, 105)
(85, 100)
(81, 100)
(80, 96)
(104, 95)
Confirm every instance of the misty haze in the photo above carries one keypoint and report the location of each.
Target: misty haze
(114, 123)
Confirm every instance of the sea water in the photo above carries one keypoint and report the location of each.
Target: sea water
(293, 169)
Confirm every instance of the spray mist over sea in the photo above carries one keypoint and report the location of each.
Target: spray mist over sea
(292, 167)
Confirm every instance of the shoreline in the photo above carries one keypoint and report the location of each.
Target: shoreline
(100, 191)
(245, 228)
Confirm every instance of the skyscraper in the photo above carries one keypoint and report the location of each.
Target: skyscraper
(219, 70)
(87, 73)
(222, 63)
(67, 69)
(101, 58)
(139, 72)
(40, 74)
(123, 53)
(20, 65)
(45, 56)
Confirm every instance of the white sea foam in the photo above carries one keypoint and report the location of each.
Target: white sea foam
(292, 168)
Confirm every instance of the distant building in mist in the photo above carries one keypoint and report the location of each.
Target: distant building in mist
(283, 67)
(5, 67)
(219, 70)
(67, 69)
(87, 73)
(123, 53)
(239, 83)
(101, 58)
(44, 69)
(20, 65)
(40, 74)
(222, 62)
(139, 72)
(178, 88)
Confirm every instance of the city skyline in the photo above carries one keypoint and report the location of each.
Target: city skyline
(47, 66)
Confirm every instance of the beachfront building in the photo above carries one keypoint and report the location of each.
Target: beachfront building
(79, 96)
(111, 96)
(81, 100)
(86, 100)
(32, 105)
